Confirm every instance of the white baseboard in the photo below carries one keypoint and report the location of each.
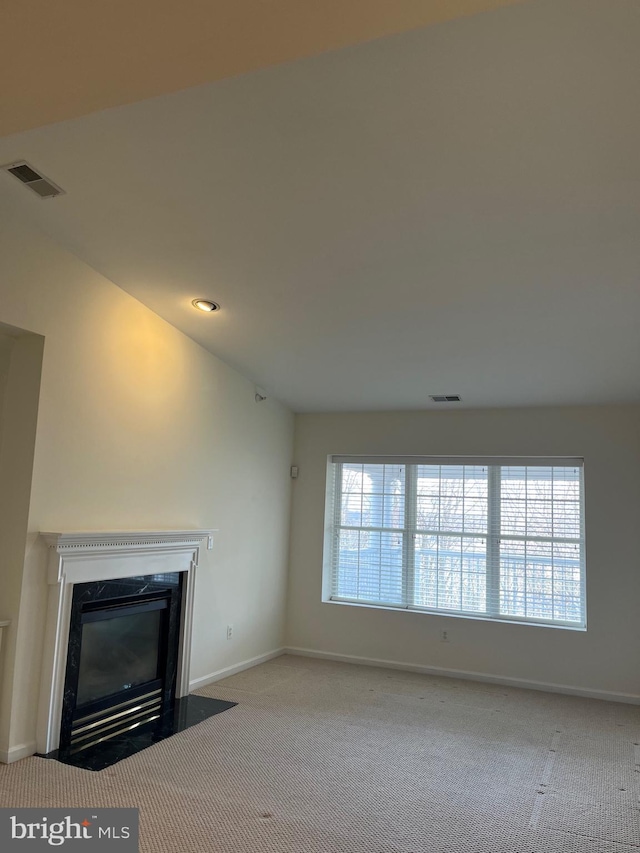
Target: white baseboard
(15, 753)
(195, 683)
(507, 681)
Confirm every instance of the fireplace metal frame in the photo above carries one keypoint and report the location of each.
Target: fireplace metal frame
(84, 724)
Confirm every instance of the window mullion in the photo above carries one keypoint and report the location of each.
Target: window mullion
(410, 525)
(581, 551)
(493, 540)
(337, 519)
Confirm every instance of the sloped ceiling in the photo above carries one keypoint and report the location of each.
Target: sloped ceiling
(453, 209)
(64, 59)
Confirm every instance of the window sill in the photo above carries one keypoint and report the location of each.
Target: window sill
(466, 616)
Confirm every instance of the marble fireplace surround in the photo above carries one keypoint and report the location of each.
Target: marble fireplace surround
(86, 557)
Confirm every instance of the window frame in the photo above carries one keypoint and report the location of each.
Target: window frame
(409, 531)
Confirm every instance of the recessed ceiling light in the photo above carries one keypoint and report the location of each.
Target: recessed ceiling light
(205, 305)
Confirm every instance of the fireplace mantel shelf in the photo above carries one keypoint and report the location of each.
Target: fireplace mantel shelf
(125, 539)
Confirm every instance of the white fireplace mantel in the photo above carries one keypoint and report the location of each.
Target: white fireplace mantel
(86, 557)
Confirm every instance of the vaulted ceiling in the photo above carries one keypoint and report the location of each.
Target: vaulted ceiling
(450, 209)
(60, 60)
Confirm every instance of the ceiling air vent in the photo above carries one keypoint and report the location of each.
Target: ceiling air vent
(42, 187)
(445, 398)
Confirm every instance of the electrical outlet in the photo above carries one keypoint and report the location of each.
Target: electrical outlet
(444, 636)
(229, 632)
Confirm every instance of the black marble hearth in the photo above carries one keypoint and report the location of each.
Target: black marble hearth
(182, 714)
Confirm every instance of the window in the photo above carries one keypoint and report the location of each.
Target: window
(492, 538)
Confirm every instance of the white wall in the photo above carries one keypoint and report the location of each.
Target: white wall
(6, 345)
(17, 444)
(139, 427)
(604, 658)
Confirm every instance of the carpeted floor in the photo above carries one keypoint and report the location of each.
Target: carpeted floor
(321, 757)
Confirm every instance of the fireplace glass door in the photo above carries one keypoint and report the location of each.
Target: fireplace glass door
(120, 650)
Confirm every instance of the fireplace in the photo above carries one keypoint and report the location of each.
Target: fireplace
(136, 590)
(122, 658)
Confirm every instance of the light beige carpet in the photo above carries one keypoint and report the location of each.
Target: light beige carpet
(322, 757)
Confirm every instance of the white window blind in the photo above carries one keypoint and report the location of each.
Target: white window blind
(497, 538)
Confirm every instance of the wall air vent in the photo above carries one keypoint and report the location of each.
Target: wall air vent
(445, 398)
(41, 186)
